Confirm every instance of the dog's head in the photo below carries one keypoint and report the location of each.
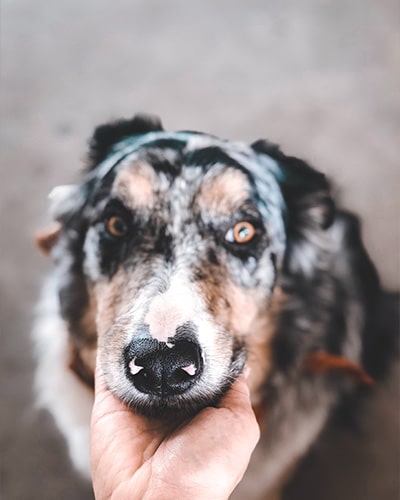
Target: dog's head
(170, 256)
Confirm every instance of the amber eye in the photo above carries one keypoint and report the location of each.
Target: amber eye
(116, 226)
(242, 232)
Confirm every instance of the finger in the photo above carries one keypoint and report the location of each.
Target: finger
(224, 437)
(238, 396)
(237, 400)
(121, 440)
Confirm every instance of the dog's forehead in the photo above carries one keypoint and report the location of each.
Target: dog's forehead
(192, 148)
(220, 190)
(179, 165)
(144, 163)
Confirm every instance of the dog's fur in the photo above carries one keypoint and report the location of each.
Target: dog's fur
(302, 284)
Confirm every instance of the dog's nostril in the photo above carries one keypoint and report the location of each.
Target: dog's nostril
(190, 369)
(134, 368)
(163, 369)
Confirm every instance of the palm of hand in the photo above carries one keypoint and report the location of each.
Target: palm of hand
(137, 458)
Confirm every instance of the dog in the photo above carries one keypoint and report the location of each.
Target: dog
(181, 258)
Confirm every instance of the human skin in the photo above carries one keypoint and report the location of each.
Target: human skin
(133, 457)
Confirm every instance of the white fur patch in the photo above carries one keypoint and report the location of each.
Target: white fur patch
(63, 198)
(57, 387)
(171, 309)
(91, 250)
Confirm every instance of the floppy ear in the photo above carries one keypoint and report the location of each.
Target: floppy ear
(310, 207)
(107, 135)
(64, 201)
(46, 238)
(69, 200)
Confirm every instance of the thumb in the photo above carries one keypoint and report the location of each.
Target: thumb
(120, 439)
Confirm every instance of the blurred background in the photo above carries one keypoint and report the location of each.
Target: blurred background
(319, 77)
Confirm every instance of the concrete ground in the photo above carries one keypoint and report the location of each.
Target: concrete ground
(320, 77)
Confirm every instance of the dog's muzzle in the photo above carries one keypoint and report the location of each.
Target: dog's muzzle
(163, 368)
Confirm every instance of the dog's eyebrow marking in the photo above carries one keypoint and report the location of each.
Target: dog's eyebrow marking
(224, 193)
(135, 185)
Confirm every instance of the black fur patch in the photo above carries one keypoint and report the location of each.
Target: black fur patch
(306, 191)
(209, 156)
(107, 135)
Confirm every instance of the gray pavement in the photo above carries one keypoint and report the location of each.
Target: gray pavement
(319, 77)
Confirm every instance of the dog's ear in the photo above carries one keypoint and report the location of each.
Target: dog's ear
(68, 201)
(310, 207)
(65, 201)
(107, 135)
(46, 238)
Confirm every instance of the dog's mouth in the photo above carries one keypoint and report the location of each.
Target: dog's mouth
(170, 381)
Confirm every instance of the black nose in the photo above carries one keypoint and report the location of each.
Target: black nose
(163, 369)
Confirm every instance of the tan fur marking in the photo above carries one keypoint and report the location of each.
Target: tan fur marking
(320, 362)
(83, 347)
(246, 315)
(82, 362)
(135, 185)
(113, 320)
(224, 193)
(47, 238)
(257, 323)
(88, 321)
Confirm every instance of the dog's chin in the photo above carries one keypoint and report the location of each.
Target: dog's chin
(170, 409)
(175, 408)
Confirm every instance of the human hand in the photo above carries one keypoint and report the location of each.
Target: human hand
(133, 457)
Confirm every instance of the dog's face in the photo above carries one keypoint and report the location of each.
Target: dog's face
(176, 243)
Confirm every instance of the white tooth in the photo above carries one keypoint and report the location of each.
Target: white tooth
(134, 368)
(168, 344)
(190, 369)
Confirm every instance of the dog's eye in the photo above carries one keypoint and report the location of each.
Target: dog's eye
(116, 226)
(242, 232)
